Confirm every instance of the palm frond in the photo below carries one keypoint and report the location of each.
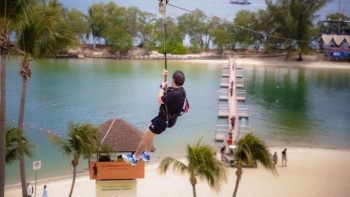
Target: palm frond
(201, 163)
(167, 162)
(62, 145)
(251, 148)
(47, 33)
(16, 142)
(19, 12)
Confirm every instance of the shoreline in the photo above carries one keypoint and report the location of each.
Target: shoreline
(306, 167)
(279, 62)
(139, 53)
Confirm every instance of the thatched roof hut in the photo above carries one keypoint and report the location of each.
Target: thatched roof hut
(120, 135)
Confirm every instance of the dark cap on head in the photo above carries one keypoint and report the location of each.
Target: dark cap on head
(179, 77)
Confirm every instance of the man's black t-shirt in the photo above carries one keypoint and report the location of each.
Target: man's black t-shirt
(175, 100)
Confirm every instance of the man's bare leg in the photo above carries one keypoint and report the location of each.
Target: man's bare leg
(149, 147)
(146, 142)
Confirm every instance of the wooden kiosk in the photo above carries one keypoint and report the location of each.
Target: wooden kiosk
(113, 176)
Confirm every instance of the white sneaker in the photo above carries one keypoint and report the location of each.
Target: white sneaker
(145, 157)
(130, 160)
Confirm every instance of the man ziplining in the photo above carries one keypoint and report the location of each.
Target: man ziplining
(171, 100)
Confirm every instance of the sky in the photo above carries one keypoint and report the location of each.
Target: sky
(220, 8)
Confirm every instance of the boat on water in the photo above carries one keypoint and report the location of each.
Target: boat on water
(242, 2)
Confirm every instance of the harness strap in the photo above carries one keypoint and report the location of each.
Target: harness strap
(168, 116)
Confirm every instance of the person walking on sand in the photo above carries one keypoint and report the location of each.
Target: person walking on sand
(222, 153)
(284, 157)
(275, 158)
(45, 191)
(30, 190)
(171, 105)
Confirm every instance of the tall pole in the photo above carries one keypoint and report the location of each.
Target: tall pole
(36, 175)
(339, 17)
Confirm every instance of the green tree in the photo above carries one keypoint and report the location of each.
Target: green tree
(264, 27)
(212, 24)
(132, 23)
(146, 22)
(55, 4)
(222, 36)
(78, 23)
(16, 143)
(195, 26)
(13, 14)
(96, 21)
(200, 163)
(245, 20)
(118, 39)
(294, 20)
(174, 37)
(251, 149)
(82, 140)
(42, 36)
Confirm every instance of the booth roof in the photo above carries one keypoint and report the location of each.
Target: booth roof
(120, 135)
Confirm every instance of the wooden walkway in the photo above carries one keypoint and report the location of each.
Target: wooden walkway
(222, 131)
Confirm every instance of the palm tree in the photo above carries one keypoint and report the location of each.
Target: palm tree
(40, 37)
(82, 141)
(36, 39)
(248, 150)
(13, 147)
(201, 163)
(13, 13)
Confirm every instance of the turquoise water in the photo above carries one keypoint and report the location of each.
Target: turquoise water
(312, 109)
(294, 107)
(98, 90)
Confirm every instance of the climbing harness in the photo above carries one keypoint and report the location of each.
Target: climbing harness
(170, 119)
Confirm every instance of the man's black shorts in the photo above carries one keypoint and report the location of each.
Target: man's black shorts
(158, 124)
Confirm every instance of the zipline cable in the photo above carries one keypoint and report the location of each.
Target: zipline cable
(265, 34)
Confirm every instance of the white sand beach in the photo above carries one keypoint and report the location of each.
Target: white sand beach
(310, 172)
